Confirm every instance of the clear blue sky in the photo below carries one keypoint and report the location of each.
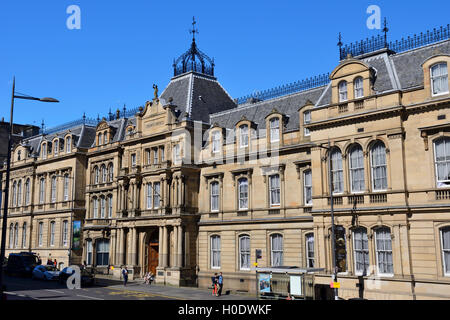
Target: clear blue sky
(124, 47)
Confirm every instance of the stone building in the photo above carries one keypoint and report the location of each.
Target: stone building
(194, 182)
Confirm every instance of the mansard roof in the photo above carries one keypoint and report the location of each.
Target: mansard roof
(197, 95)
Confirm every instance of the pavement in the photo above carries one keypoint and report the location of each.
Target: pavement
(108, 289)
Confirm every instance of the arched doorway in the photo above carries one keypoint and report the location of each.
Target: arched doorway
(152, 252)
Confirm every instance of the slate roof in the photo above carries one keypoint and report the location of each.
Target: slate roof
(198, 95)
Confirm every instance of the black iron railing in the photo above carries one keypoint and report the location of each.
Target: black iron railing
(286, 89)
(196, 67)
(89, 121)
(411, 42)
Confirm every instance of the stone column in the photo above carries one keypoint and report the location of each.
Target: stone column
(113, 248)
(165, 247)
(121, 247)
(175, 247)
(180, 247)
(133, 247)
(187, 245)
(160, 245)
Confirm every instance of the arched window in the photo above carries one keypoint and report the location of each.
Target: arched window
(11, 236)
(342, 91)
(337, 172)
(274, 190)
(42, 190)
(19, 153)
(111, 172)
(361, 251)
(445, 245)
(214, 187)
(442, 162)
(104, 174)
(102, 207)
(383, 248)
(100, 139)
(105, 138)
(66, 187)
(16, 235)
(307, 187)
(243, 193)
(24, 235)
(378, 166)
(53, 190)
(44, 151)
(149, 196)
(276, 250)
(95, 207)
(358, 86)
(110, 206)
(96, 175)
(27, 192)
(14, 195)
(439, 78)
(310, 250)
(356, 164)
(52, 233)
(55, 147)
(19, 193)
(274, 129)
(102, 256)
(215, 252)
(243, 136)
(244, 252)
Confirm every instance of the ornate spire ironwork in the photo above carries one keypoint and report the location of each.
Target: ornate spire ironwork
(385, 30)
(193, 59)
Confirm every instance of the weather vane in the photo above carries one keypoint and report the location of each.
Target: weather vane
(193, 31)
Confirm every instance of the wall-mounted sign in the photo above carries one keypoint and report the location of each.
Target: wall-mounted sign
(264, 282)
(76, 235)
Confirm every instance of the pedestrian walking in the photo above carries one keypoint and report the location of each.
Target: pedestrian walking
(214, 284)
(125, 275)
(220, 283)
(55, 264)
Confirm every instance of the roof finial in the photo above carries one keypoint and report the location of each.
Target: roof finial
(42, 126)
(385, 30)
(339, 44)
(84, 117)
(193, 31)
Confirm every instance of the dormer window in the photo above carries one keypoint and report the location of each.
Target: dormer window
(243, 136)
(19, 155)
(439, 78)
(68, 144)
(342, 91)
(307, 120)
(216, 142)
(358, 86)
(55, 147)
(275, 130)
(105, 138)
(44, 151)
(100, 139)
(176, 153)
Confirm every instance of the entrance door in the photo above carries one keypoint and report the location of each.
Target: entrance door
(153, 255)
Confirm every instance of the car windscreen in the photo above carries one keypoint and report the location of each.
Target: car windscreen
(29, 260)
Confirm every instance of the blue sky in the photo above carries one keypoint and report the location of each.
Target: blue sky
(124, 47)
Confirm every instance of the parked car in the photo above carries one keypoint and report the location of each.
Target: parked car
(21, 263)
(87, 278)
(45, 273)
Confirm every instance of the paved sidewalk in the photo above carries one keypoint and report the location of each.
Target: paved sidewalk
(182, 293)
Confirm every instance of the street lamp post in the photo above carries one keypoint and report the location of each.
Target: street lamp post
(333, 236)
(8, 167)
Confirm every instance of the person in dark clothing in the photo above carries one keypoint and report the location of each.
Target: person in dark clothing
(220, 283)
(125, 276)
(214, 284)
